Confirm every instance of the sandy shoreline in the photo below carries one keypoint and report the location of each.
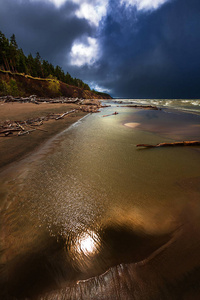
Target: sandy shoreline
(13, 148)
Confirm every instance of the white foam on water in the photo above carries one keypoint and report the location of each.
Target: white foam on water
(190, 105)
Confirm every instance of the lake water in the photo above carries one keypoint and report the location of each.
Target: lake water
(91, 216)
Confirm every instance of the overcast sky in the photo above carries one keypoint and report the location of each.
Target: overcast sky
(129, 48)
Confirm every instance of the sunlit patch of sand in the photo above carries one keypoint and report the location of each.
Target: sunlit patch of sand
(132, 125)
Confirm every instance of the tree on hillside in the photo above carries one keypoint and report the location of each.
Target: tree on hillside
(13, 53)
(13, 59)
(13, 41)
(68, 78)
(38, 65)
(46, 68)
(4, 50)
(31, 66)
(59, 73)
(21, 62)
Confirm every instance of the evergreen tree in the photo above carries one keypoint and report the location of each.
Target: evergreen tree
(13, 41)
(21, 62)
(38, 65)
(31, 65)
(4, 50)
(13, 53)
(12, 58)
(45, 68)
(68, 78)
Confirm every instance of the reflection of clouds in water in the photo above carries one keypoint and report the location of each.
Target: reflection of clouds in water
(154, 221)
(132, 124)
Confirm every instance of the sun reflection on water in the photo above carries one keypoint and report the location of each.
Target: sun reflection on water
(88, 243)
(83, 249)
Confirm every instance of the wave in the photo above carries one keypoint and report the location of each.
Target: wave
(192, 105)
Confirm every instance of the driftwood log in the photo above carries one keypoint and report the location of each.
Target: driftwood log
(20, 126)
(33, 126)
(10, 130)
(184, 143)
(66, 113)
(25, 132)
(115, 113)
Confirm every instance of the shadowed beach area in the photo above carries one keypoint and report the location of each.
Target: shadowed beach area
(13, 148)
(88, 215)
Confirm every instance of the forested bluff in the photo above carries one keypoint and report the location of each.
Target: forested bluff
(22, 75)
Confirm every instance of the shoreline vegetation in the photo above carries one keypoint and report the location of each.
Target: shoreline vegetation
(23, 85)
(24, 75)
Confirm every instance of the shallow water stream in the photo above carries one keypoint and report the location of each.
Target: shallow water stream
(90, 202)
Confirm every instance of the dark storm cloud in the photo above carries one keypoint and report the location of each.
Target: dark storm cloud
(152, 54)
(40, 26)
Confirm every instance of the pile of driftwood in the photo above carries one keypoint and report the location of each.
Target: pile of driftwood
(85, 105)
(91, 106)
(37, 100)
(19, 128)
(184, 143)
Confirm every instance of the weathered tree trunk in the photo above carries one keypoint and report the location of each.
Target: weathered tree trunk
(184, 143)
(115, 113)
(69, 112)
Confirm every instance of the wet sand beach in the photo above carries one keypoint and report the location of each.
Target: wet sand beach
(90, 216)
